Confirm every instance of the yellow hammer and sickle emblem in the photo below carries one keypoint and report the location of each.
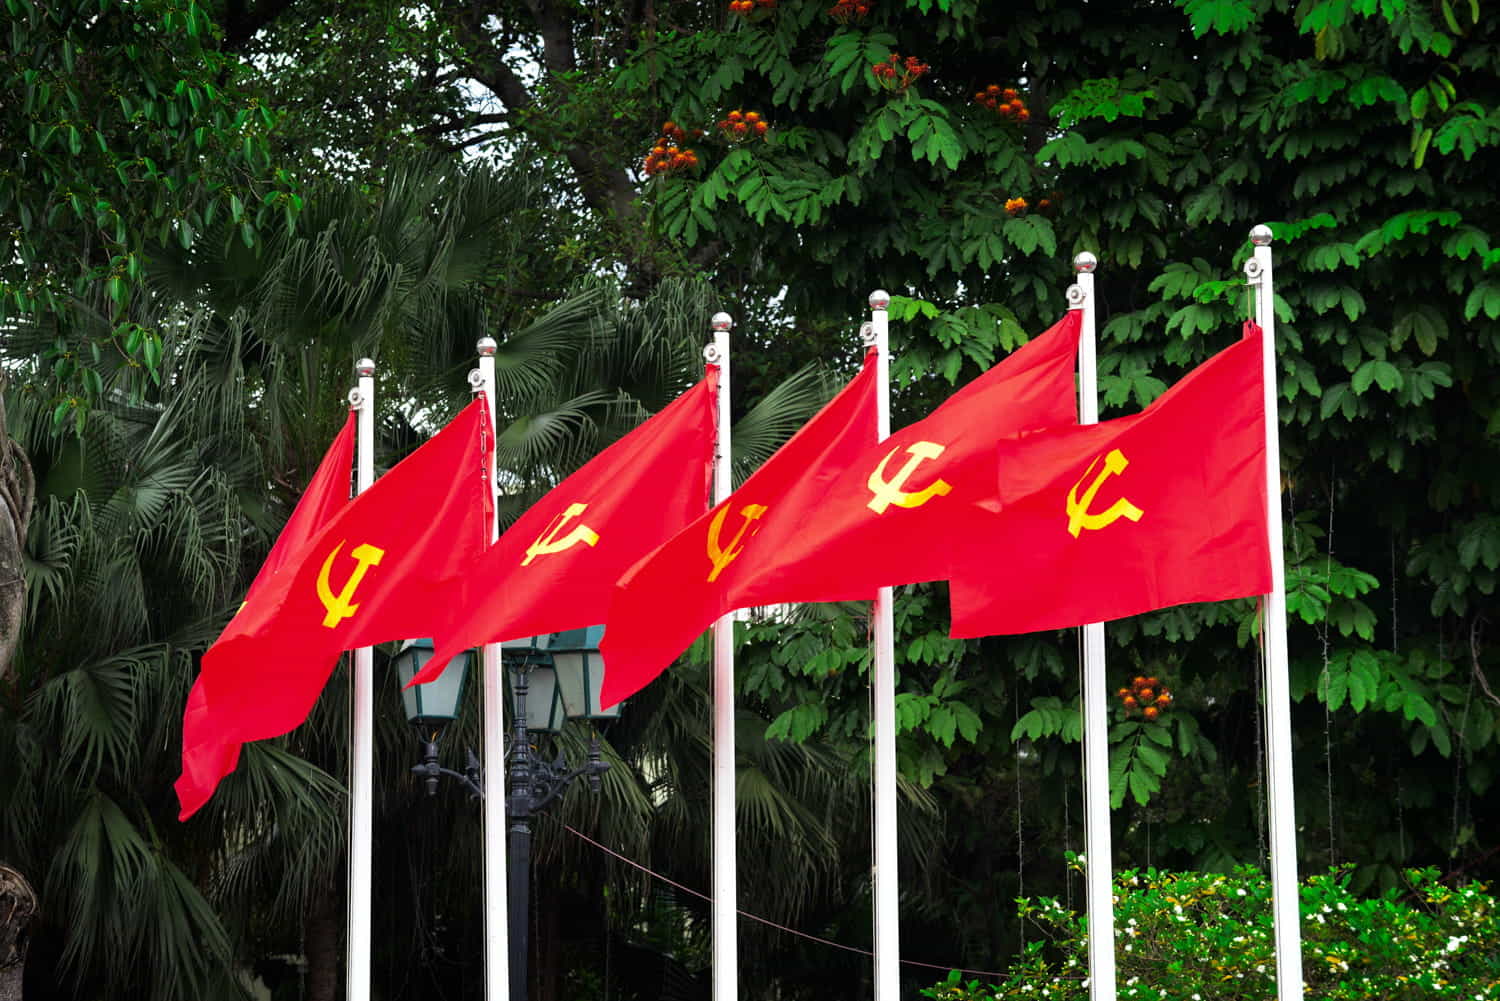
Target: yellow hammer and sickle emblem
(888, 492)
(721, 558)
(1079, 517)
(341, 605)
(548, 543)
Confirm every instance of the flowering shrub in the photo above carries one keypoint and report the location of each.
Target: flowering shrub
(1209, 937)
(1147, 696)
(741, 125)
(1015, 206)
(897, 74)
(849, 11)
(1006, 103)
(747, 7)
(670, 152)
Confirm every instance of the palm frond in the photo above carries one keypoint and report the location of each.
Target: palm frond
(778, 416)
(131, 910)
(285, 820)
(93, 709)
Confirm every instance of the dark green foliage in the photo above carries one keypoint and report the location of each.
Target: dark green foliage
(1190, 936)
(1158, 136)
(1155, 136)
(126, 130)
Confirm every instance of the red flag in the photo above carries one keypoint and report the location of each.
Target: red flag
(556, 567)
(715, 564)
(1142, 512)
(326, 493)
(907, 509)
(385, 567)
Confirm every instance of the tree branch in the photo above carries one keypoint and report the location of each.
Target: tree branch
(17, 493)
(467, 122)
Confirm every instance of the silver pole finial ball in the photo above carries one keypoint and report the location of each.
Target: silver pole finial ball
(485, 347)
(1085, 263)
(721, 321)
(880, 299)
(1261, 235)
(365, 367)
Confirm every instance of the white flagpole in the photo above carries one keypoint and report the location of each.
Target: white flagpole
(496, 937)
(725, 916)
(1284, 890)
(1098, 850)
(362, 727)
(883, 682)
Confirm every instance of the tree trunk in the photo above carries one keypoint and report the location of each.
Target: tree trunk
(17, 905)
(320, 940)
(17, 491)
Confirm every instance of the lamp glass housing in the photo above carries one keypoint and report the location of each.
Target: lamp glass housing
(433, 705)
(580, 672)
(544, 708)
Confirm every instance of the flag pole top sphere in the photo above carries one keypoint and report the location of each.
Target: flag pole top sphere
(364, 368)
(1085, 263)
(1261, 235)
(880, 299)
(486, 347)
(721, 321)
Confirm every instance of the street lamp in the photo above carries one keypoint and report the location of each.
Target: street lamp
(566, 670)
(562, 674)
(431, 707)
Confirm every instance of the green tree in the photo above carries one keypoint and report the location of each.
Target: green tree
(129, 132)
(1364, 136)
(1154, 136)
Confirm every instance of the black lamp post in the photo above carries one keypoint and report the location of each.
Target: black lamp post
(562, 672)
(431, 707)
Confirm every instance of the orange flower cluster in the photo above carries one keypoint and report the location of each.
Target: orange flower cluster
(744, 7)
(669, 152)
(1006, 103)
(1147, 695)
(847, 11)
(1016, 206)
(742, 125)
(897, 74)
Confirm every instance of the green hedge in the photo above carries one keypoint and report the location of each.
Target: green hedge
(1208, 937)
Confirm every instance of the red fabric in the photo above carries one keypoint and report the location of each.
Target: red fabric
(718, 562)
(906, 508)
(1156, 509)
(326, 493)
(556, 567)
(386, 567)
